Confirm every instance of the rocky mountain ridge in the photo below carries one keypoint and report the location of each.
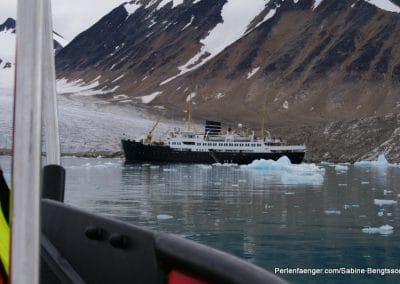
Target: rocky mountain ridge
(311, 62)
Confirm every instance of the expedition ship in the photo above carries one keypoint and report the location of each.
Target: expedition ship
(210, 146)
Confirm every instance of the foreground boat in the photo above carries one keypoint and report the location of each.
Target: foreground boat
(69, 245)
(211, 146)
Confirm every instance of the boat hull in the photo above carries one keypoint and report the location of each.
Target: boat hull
(138, 152)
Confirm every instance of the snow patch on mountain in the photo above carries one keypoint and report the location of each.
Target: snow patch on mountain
(149, 98)
(317, 3)
(58, 38)
(81, 88)
(132, 6)
(236, 15)
(188, 24)
(385, 5)
(268, 16)
(252, 72)
(165, 2)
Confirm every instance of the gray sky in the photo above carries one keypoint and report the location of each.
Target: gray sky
(70, 17)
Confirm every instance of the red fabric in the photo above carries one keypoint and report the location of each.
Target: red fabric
(176, 277)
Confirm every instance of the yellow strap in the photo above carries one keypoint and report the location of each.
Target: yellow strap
(4, 242)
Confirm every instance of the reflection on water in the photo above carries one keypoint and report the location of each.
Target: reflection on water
(252, 213)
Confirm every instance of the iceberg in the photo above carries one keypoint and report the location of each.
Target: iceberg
(381, 162)
(289, 173)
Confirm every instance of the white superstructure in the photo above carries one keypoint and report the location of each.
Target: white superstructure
(230, 142)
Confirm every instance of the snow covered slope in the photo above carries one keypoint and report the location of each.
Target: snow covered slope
(7, 52)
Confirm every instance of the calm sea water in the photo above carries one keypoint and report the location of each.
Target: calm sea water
(305, 217)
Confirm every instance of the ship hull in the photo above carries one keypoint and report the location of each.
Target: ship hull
(138, 152)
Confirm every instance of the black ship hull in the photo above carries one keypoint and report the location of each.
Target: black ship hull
(139, 152)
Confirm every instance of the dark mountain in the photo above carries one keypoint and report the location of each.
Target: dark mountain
(312, 62)
(9, 24)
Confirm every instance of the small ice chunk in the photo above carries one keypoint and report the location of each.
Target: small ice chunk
(365, 182)
(341, 168)
(205, 167)
(382, 202)
(386, 192)
(383, 230)
(333, 212)
(380, 213)
(169, 170)
(164, 217)
(342, 184)
(389, 214)
(348, 206)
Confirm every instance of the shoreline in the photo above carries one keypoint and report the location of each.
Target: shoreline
(81, 154)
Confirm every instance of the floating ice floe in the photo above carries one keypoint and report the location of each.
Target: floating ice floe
(228, 165)
(365, 182)
(164, 217)
(386, 192)
(288, 172)
(383, 230)
(382, 202)
(380, 163)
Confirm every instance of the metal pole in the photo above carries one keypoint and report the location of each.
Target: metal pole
(49, 90)
(26, 172)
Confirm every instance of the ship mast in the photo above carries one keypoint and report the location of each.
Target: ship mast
(189, 101)
(263, 114)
